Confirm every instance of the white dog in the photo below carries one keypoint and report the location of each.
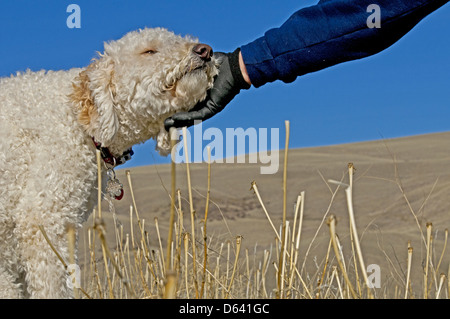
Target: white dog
(49, 121)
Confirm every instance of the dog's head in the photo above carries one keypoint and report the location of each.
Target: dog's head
(145, 76)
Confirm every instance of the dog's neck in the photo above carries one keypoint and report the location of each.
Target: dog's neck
(109, 158)
(87, 116)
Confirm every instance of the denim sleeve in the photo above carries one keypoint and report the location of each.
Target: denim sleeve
(328, 33)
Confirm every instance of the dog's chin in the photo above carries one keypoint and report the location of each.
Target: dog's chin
(203, 69)
(192, 87)
(199, 69)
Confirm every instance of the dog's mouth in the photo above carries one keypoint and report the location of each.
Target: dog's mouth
(192, 68)
(196, 65)
(198, 68)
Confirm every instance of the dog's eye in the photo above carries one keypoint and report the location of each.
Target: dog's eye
(149, 51)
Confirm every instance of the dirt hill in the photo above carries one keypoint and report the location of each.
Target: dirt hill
(399, 185)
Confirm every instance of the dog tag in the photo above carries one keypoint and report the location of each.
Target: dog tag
(114, 187)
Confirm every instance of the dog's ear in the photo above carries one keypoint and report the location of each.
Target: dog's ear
(94, 94)
(103, 92)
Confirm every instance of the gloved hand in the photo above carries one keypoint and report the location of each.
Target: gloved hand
(228, 83)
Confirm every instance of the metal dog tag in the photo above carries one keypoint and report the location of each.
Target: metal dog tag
(114, 187)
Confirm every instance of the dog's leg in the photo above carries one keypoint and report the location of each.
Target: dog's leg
(54, 196)
(10, 280)
(46, 276)
(9, 287)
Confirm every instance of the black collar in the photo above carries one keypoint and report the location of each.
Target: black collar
(110, 159)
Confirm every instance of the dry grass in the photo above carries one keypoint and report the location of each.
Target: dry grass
(195, 264)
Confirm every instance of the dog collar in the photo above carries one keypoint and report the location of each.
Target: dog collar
(110, 159)
(113, 186)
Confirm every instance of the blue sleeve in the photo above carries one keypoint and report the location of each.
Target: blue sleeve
(331, 32)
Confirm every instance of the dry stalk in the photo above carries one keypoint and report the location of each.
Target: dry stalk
(348, 192)
(238, 249)
(163, 265)
(186, 264)
(283, 225)
(99, 184)
(141, 227)
(355, 260)
(205, 238)
(425, 276)
(131, 227)
(443, 250)
(101, 231)
(283, 265)
(180, 233)
(334, 274)
(408, 273)
(191, 206)
(71, 239)
(172, 200)
(324, 218)
(320, 281)
(170, 288)
(448, 281)
(400, 186)
(293, 262)
(94, 263)
(441, 283)
(99, 206)
(332, 225)
(255, 189)
(44, 233)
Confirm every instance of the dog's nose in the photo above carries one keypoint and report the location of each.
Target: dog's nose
(204, 51)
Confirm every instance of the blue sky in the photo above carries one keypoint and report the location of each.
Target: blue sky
(402, 91)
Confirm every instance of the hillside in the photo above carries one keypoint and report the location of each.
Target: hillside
(395, 182)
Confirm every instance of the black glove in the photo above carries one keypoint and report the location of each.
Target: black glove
(228, 83)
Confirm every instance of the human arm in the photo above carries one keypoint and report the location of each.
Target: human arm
(314, 38)
(329, 33)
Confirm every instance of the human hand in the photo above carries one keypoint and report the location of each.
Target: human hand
(231, 80)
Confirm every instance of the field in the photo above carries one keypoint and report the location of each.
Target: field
(306, 232)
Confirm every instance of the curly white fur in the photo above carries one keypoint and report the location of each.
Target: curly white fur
(47, 157)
